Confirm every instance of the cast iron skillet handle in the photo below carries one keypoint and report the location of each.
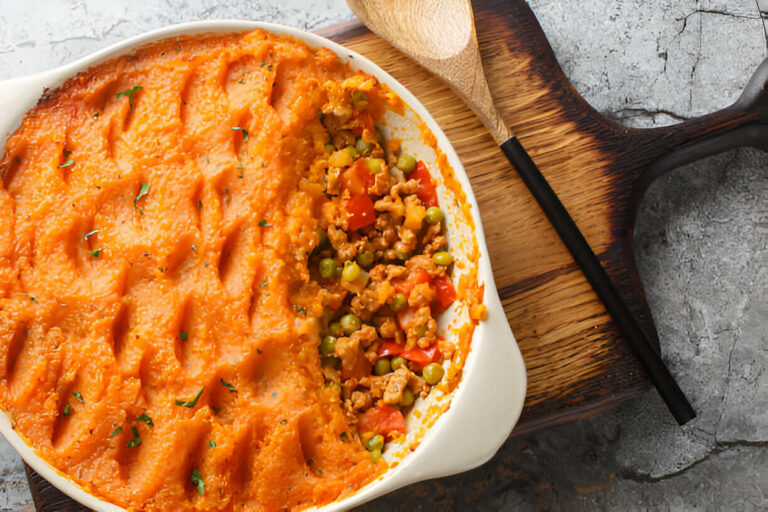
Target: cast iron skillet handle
(745, 123)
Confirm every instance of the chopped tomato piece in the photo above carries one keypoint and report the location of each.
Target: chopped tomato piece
(357, 178)
(446, 293)
(366, 123)
(416, 276)
(389, 348)
(361, 212)
(426, 191)
(422, 356)
(381, 420)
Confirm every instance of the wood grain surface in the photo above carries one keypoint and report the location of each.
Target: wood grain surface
(577, 363)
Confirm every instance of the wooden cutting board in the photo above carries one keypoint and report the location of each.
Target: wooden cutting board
(577, 362)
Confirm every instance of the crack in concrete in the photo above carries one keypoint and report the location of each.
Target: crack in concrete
(712, 11)
(643, 112)
(718, 448)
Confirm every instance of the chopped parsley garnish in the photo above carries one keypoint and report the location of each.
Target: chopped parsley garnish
(194, 247)
(116, 431)
(85, 236)
(78, 396)
(213, 445)
(310, 462)
(96, 253)
(183, 335)
(229, 386)
(343, 437)
(146, 419)
(197, 480)
(269, 67)
(283, 422)
(273, 393)
(144, 190)
(31, 297)
(136, 441)
(263, 63)
(67, 163)
(199, 204)
(263, 223)
(130, 93)
(192, 402)
(300, 310)
(66, 410)
(263, 283)
(320, 472)
(240, 175)
(245, 132)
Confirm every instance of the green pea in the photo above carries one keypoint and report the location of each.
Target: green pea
(376, 455)
(402, 255)
(397, 362)
(434, 215)
(351, 271)
(333, 362)
(322, 236)
(422, 330)
(407, 399)
(399, 302)
(361, 146)
(374, 165)
(375, 443)
(328, 345)
(327, 267)
(335, 329)
(382, 367)
(351, 151)
(432, 373)
(330, 148)
(359, 97)
(350, 323)
(442, 258)
(365, 258)
(406, 163)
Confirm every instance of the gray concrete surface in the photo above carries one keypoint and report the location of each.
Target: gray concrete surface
(701, 246)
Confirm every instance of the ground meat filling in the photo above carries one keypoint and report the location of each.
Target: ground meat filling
(383, 263)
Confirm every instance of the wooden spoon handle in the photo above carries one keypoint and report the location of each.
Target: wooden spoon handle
(595, 273)
(745, 123)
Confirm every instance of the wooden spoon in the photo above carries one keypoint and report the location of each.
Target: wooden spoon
(440, 35)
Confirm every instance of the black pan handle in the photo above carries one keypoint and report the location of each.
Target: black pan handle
(743, 124)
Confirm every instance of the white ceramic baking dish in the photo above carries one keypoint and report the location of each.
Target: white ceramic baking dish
(487, 403)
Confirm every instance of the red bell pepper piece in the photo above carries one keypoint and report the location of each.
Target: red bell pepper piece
(426, 191)
(417, 276)
(366, 123)
(360, 210)
(446, 293)
(422, 356)
(357, 178)
(381, 420)
(389, 348)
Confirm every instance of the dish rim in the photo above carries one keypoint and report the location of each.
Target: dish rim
(494, 359)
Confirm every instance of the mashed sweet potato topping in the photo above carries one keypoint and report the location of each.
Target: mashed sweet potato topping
(188, 244)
